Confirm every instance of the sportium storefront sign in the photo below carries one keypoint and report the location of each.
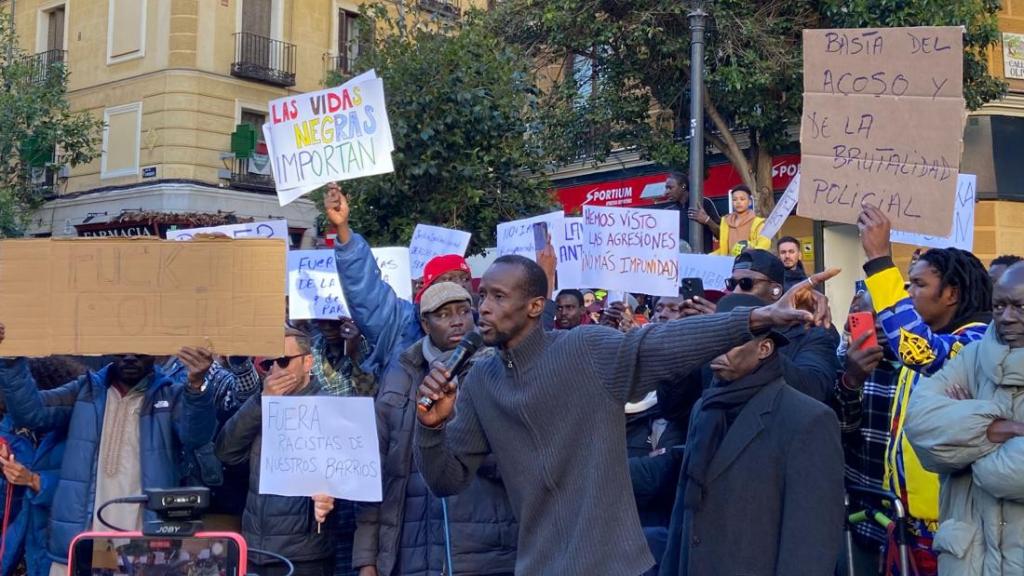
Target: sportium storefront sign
(650, 188)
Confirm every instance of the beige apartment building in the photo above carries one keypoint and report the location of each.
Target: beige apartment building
(182, 86)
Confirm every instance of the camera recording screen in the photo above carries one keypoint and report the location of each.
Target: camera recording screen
(156, 557)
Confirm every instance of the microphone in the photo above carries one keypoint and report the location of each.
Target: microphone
(456, 362)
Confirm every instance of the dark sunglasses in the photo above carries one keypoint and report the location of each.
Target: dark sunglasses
(745, 284)
(281, 362)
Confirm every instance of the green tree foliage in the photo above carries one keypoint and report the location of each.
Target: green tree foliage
(38, 131)
(638, 85)
(460, 103)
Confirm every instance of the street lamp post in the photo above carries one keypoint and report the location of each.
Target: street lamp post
(697, 19)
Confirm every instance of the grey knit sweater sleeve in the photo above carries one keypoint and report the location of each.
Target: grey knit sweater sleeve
(633, 364)
(449, 455)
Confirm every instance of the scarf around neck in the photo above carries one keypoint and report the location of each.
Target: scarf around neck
(720, 404)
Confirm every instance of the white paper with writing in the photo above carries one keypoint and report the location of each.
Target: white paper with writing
(314, 290)
(782, 209)
(962, 235)
(516, 237)
(712, 270)
(394, 269)
(570, 254)
(267, 229)
(320, 445)
(431, 241)
(631, 249)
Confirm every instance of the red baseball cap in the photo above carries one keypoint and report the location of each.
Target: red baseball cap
(438, 266)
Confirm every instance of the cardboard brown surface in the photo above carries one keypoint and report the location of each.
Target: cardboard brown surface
(147, 296)
(882, 123)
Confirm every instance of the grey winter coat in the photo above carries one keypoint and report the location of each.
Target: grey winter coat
(981, 498)
(406, 530)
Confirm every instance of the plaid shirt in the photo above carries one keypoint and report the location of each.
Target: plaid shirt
(864, 421)
(338, 375)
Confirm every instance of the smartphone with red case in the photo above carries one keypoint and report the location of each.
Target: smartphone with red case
(860, 323)
(203, 554)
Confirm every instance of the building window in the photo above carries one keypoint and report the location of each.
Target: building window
(55, 28)
(123, 128)
(126, 30)
(348, 39)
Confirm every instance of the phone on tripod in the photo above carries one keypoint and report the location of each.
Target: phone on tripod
(113, 553)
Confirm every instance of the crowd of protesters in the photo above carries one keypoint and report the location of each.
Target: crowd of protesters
(734, 431)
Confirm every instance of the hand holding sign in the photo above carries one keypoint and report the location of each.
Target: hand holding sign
(337, 210)
(874, 228)
(198, 362)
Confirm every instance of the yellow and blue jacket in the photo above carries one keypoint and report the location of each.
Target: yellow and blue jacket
(922, 353)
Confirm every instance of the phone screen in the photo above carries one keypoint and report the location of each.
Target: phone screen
(540, 235)
(146, 556)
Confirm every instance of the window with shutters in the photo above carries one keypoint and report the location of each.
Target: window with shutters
(126, 30)
(121, 135)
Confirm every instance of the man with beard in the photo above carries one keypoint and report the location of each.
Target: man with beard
(126, 426)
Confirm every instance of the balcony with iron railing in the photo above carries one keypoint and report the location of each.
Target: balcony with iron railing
(343, 64)
(264, 59)
(49, 64)
(250, 174)
(445, 8)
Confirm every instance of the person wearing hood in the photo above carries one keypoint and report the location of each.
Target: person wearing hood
(761, 486)
(967, 425)
(946, 306)
(742, 228)
(412, 532)
(789, 252)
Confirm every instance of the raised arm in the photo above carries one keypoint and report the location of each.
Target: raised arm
(236, 437)
(380, 314)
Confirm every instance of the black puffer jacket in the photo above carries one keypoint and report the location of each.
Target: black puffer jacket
(405, 533)
(281, 524)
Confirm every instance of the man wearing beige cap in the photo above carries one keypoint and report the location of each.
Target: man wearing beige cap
(404, 534)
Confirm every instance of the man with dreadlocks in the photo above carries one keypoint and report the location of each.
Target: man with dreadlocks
(946, 307)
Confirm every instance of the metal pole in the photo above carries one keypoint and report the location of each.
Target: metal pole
(696, 18)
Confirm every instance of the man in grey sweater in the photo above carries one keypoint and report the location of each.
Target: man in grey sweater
(549, 407)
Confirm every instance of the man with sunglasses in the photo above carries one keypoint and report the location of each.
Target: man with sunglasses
(809, 361)
(408, 533)
(280, 524)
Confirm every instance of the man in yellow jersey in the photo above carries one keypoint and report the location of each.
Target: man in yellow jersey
(946, 306)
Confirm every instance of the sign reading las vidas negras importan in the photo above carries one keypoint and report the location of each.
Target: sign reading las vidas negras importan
(883, 124)
(335, 134)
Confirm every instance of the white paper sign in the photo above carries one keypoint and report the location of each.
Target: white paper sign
(631, 249)
(516, 237)
(782, 209)
(962, 235)
(712, 270)
(314, 290)
(320, 445)
(335, 134)
(268, 229)
(394, 269)
(570, 254)
(429, 242)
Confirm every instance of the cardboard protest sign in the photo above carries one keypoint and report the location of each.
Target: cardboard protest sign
(631, 249)
(272, 229)
(517, 236)
(145, 296)
(882, 124)
(962, 235)
(314, 289)
(330, 135)
(429, 242)
(570, 254)
(782, 209)
(394, 269)
(712, 270)
(320, 445)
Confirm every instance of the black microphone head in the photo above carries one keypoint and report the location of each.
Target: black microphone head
(471, 342)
